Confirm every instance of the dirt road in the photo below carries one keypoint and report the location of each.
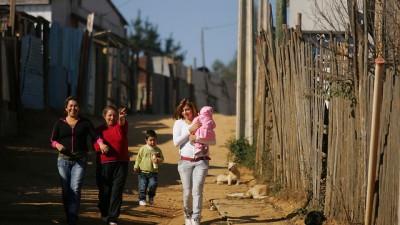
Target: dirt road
(30, 191)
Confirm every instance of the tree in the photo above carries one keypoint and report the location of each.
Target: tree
(172, 49)
(145, 37)
(218, 67)
(226, 72)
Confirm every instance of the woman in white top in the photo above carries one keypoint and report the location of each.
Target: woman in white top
(192, 168)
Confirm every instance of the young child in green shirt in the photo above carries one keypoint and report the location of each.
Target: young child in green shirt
(146, 165)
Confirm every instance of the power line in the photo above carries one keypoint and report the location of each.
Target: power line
(220, 26)
(203, 57)
(124, 3)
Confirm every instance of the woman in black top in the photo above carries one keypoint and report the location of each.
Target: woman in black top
(69, 137)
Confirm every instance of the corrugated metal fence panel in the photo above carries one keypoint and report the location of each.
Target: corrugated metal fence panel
(158, 93)
(64, 48)
(72, 40)
(219, 96)
(199, 79)
(58, 86)
(91, 89)
(58, 80)
(8, 117)
(55, 44)
(5, 89)
(124, 86)
(183, 90)
(31, 86)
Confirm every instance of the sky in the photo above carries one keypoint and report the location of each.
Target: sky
(185, 19)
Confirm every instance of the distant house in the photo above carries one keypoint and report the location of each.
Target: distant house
(73, 13)
(70, 63)
(315, 14)
(321, 20)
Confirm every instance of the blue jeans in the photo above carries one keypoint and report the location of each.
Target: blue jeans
(71, 176)
(147, 180)
(193, 176)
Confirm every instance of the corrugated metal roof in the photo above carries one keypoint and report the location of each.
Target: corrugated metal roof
(26, 2)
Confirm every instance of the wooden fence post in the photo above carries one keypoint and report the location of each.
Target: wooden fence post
(376, 110)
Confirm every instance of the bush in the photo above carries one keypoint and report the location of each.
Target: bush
(243, 152)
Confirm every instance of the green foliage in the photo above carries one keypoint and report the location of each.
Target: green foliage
(276, 187)
(243, 152)
(172, 49)
(218, 67)
(145, 36)
(226, 72)
(340, 88)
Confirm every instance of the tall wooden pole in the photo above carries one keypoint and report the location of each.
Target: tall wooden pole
(249, 71)
(280, 18)
(373, 147)
(240, 89)
(379, 70)
(378, 24)
(11, 20)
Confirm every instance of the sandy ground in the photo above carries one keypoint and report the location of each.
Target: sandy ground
(30, 191)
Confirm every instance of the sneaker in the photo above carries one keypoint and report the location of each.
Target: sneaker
(195, 221)
(188, 221)
(142, 202)
(151, 201)
(104, 219)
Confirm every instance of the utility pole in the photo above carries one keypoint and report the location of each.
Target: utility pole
(203, 57)
(240, 89)
(249, 71)
(202, 39)
(245, 72)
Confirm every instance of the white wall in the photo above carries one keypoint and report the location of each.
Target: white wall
(36, 10)
(312, 19)
(106, 17)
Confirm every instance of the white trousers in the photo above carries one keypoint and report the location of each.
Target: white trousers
(193, 176)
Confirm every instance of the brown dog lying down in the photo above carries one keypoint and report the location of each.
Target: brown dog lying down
(258, 191)
(232, 177)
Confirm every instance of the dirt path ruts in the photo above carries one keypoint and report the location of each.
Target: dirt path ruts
(30, 191)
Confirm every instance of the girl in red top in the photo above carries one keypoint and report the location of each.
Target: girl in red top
(114, 163)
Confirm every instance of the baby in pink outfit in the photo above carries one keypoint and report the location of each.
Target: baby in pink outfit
(206, 131)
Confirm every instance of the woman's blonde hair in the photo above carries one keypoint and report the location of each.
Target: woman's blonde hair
(185, 102)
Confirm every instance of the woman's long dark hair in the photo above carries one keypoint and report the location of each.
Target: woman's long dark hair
(185, 102)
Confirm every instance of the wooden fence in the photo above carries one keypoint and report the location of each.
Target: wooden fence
(315, 102)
